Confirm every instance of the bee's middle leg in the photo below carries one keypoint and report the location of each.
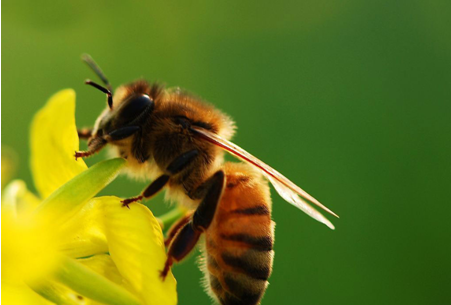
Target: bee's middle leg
(157, 185)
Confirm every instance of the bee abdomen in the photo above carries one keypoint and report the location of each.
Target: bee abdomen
(241, 290)
(239, 296)
(239, 275)
(239, 242)
(240, 255)
(259, 243)
(261, 209)
(256, 269)
(243, 278)
(235, 289)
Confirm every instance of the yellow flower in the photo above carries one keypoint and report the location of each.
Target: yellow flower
(65, 245)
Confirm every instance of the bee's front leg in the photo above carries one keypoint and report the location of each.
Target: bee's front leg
(94, 145)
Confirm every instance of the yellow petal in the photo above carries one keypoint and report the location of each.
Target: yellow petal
(136, 245)
(67, 200)
(28, 250)
(17, 200)
(103, 265)
(83, 234)
(21, 294)
(134, 239)
(54, 141)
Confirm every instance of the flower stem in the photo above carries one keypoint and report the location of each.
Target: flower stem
(65, 201)
(170, 217)
(56, 292)
(92, 285)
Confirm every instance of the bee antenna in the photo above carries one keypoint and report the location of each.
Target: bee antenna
(95, 67)
(103, 89)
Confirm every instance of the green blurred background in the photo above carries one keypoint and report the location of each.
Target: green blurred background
(349, 99)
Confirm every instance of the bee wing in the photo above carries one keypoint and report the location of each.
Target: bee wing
(293, 198)
(286, 189)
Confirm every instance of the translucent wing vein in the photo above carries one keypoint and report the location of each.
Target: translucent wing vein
(286, 189)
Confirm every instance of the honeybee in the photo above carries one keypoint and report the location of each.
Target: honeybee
(178, 141)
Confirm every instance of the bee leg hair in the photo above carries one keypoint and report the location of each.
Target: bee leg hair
(187, 237)
(94, 145)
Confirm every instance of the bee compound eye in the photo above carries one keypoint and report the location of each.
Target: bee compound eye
(136, 106)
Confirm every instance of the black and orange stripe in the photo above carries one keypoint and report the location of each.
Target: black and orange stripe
(239, 242)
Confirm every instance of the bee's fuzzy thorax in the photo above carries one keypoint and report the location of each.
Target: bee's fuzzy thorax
(161, 139)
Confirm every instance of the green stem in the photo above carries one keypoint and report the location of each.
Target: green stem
(56, 292)
(172, 216)
(66, 200)
(92, 285)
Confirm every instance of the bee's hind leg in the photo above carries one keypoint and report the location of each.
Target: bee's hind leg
(157, 185)
(212, 188)
(176, 227)
(186, 238)
(184, 242)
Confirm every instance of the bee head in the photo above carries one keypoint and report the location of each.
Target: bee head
(127, 111)
(132, 105)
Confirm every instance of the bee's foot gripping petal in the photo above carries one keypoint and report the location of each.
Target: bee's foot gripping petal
(82, 154)
(127, 201)
(167, 267)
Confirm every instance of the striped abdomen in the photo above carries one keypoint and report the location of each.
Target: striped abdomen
(239, 242)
